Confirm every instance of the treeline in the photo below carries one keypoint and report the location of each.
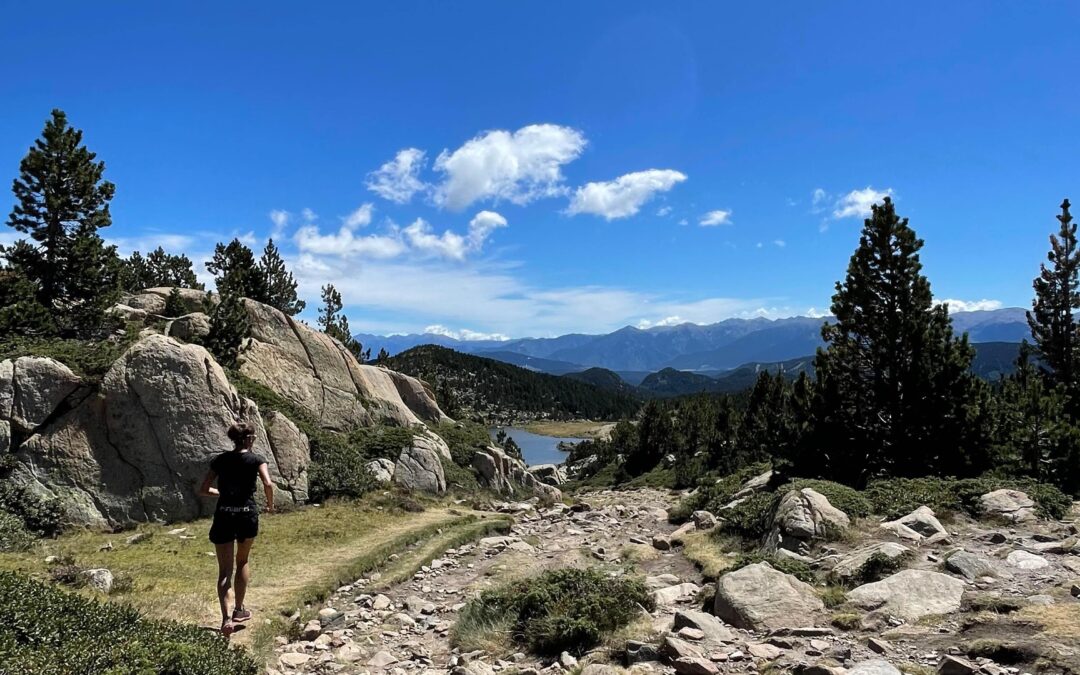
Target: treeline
(894, 394)
(476, 387)
(59, 281)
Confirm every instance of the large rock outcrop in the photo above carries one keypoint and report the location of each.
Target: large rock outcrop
(419, 467)
(152, 300)
(759, 597)
(317, 373)
(506, 474)
(804, 515)
(911, 594)
(1011, 505)
(137, 448)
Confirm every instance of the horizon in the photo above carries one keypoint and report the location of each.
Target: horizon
(651, 171)
(442, 331)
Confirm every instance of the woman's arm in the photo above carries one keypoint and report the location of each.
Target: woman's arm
(268, 486)
(206, 490)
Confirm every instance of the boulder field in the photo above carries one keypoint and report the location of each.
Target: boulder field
(135, 446)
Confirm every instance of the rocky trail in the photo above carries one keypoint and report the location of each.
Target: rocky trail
(1012, 591)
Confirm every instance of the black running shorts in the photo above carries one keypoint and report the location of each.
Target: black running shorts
(234, 526)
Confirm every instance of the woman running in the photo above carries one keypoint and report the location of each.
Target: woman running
(236, 520)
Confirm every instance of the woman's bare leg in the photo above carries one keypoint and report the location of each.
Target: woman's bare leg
(243, 570)
(224, 582)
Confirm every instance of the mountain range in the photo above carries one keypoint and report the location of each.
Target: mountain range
(711, 350)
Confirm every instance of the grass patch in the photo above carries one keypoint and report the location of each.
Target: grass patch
(832, 596)
(707, 553)
(48, 630)
(560, 610)
(1059, 621)
(409, 563)
(847, 621)
(297, 557)
(567, 429)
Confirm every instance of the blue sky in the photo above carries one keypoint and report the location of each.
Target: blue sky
(528, 168)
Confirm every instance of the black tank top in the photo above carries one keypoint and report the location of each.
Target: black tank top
(237, 473)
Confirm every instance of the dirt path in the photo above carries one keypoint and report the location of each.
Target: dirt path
(373, 626)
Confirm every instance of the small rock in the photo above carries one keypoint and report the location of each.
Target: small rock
(704, 520)
(1075, 590)
(1026, 561)
(311, 630)
(953, 665)
(877, 646)
(380, 602)
(100, 579)
(688, 633)
(294, 659)
(381, 659)
(137, 538)
(566, 660)
(694, 665)
(661, 542)
(637, 652)
(761, 650)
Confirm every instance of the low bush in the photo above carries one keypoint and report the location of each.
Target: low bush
(561, 610)
(847, 499)
(877, 567)
(896, 497)
(463, 439)
(45, 630)
(752, 518)
(795, 568)
(13, 533)
(381, 441)
(90, 359)
(337, 469)
(714, 493)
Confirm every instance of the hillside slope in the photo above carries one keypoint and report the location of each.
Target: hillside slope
(497, 392)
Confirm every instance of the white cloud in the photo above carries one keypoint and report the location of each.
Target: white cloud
(684, 221)
(280, 219)
(717, 217)
(519, 167)
(779, 243)
(464, 333)
(361, 217)
(857, 202)
(971, 305)
(418, 238)
(450, 244)
(344, 243)
(399, 179)
(308, 215)
(625, 195)
(818, 199)
(666, 321)
(663, 211)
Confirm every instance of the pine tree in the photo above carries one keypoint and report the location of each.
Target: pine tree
(336, 325)
(166, 269)
(1057, 297)
(280, 285)
(894, 389)
(135, 273)
(235, 271)
(61, 201)
(92, 284)
(383, 355)
(21, 314)
(174, 304)
(229, 326)
(655, 440)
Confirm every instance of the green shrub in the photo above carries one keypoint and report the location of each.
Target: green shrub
(463, 439)
(560, 610)
(847, 621)
(13, 533)
(90, 359)
(847, 499)
(381, 441)
(877, 567)
(833, 596)
(897, 497)
(39, 516)
(752, 518)
(337, 469)
(47, 631)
